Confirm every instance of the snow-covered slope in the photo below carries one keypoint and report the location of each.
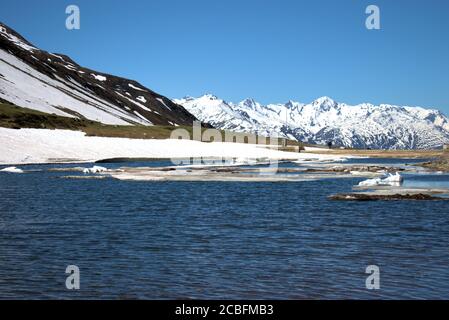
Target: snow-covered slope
(26, 146)
(323, 120)
(51, 83)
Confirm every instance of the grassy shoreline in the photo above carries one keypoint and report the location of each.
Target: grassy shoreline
(396, 154)
(439, 164)
(15, 117)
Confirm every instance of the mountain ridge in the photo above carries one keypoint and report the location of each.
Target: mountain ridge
(325, 120)
(54, 83)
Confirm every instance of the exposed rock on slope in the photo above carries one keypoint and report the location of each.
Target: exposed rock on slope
(54, 83)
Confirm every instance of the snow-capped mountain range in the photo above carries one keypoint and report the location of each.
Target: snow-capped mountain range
(323, 120)
(54, 83)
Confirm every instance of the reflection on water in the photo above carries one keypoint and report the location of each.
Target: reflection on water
(216, 240)
(433, 180)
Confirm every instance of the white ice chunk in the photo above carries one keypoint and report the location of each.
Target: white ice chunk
(390, 180)
(394, 178)
(12, 170)
(95, 169)
(245, 161)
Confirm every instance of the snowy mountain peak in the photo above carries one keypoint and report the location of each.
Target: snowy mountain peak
(249, 103)
(323, 120)
(209, 96)
(325, 102)
(293, 104)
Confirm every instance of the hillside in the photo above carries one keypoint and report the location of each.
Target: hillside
(55, 84)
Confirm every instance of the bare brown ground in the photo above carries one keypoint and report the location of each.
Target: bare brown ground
(423, 154)
(440, 164)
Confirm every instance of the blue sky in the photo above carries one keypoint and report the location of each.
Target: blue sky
(270, 50)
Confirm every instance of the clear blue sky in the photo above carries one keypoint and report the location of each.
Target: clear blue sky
(266, 49)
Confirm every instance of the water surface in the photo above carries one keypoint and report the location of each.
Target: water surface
(246, 240)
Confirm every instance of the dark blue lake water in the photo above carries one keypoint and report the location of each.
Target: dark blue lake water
(162, 240)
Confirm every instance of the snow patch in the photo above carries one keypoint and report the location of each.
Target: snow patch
(134, 87)
(99, 77)
(142, 117)
(162, 101)
(141, 99)
(59, 57)
(134, 102)
(17, 41)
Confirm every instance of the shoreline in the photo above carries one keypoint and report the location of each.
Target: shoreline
(44, 146)
(33, 146)
(428, 165)
(393, 154)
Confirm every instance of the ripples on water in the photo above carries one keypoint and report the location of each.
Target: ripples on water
(214, 240)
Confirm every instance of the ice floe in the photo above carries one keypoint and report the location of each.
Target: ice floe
(95, 169)
(245, 161)
(12, 170)
(390, 180)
